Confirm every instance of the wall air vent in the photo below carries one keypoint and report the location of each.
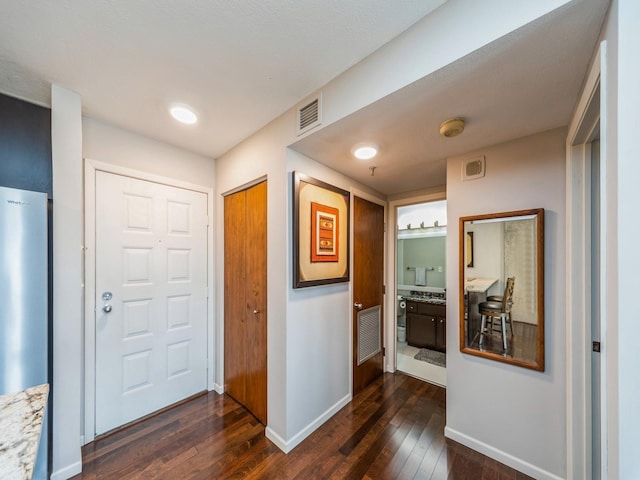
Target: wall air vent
(309, 115)
(473, 168)
(369, 336)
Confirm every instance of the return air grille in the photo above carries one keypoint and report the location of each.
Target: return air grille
(309, 115)
(369, 341)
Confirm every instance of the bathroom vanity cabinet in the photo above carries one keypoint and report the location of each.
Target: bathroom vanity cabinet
(427, 325)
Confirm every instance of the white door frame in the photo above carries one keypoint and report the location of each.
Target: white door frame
(89, 248)
(587, 118)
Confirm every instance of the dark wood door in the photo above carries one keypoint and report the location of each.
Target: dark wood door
(235, 348)
(256, 300)
(368, 281)
(245, 298)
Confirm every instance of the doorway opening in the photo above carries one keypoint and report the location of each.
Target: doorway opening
(421, 321)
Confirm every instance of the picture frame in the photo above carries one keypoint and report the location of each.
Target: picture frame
(469, 249)
(320, 232)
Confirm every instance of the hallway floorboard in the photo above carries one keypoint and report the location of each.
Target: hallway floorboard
(393, 429)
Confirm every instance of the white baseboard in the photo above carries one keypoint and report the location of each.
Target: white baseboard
(287, 446)
(218, 388)
(67, 472)
(502, 457)
(276, 439)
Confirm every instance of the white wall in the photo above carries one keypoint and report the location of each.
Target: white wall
(72, 138)
(620, 70)
(66, 143)
(306, 326)
(626, 463)
(262, 155)
(511, 413)
(308, 330)
(318, 329)
(106, 143)
(610, 440)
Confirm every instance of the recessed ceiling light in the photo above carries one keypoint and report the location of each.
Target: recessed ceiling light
(183, 114)
(365, 151)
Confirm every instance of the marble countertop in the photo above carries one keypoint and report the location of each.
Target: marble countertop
(432, 301)
(479, 285)
(21, 416)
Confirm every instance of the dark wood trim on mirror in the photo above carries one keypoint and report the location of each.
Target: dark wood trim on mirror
(539, 362)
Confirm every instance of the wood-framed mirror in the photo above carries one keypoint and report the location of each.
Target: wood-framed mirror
(502, 287)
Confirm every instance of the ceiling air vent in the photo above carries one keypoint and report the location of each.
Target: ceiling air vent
(309, 115)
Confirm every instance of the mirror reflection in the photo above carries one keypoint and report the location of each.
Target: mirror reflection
(501, 283)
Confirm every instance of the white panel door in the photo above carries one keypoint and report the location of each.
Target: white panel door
(151, 255)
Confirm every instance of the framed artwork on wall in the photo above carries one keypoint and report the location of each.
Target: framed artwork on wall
(320, 232)
(469, 249)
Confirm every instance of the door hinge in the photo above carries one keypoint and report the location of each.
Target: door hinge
(384, 352)
(596, 347)
(384, 289)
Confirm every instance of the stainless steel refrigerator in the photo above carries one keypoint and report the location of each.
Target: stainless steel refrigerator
(24, 299)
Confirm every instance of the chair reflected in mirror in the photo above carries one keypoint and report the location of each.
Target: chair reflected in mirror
(496, 314)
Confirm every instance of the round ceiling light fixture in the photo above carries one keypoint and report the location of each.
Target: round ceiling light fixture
(183, 114)
(365, 151)
(452, 128)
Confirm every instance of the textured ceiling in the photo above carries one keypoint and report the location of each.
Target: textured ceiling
(242, 63)
(239, 63)
(524, 83)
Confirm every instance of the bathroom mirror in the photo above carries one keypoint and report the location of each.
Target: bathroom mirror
(502, 287)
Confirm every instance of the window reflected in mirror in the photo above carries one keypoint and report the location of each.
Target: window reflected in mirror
(502, 287)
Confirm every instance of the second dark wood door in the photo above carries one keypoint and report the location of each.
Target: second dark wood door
(368, 281)
(245, 298)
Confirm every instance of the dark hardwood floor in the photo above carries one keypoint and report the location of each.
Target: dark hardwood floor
(392, 429)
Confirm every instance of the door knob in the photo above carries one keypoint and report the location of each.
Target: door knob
(107, 309)
(255, 312)
(358, 305)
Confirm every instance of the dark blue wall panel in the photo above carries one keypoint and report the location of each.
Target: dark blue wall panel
(25, 145)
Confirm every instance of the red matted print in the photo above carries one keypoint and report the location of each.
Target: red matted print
(320, 232)
(325, 241)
